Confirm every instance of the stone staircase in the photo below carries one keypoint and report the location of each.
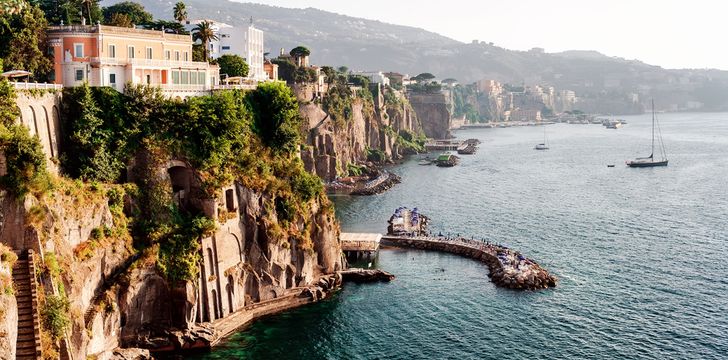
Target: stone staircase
(28, 343)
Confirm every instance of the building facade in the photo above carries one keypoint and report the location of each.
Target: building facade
(113, 56)
(244, 41)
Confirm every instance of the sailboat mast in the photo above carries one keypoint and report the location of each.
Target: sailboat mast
(653, 129)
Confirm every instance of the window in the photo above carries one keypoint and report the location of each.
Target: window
(131, 52)
(112, 51)
(51, 51)
(187, 56)
(175, 77)
(201, 78)
(149, 53)
(78, 50)
(79, 74)
(149, 79)
(167, 55)
(226, 47)
(52, 76)
(193, 78)
(176, 56)
(112, 79)
(185, 77)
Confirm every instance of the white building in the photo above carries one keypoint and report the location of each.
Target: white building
(245, 41)
(375, 77)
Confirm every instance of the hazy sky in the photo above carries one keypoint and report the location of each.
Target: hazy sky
(669, 33)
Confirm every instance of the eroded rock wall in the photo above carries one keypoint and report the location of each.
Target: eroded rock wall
(434, 112)
(373, 125)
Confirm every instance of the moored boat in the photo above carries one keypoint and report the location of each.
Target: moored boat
(447, 160)
(650, 161)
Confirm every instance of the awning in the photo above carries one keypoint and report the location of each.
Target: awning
(16, 74)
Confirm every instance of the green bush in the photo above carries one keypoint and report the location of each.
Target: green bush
(25, 160)
(276, 118)
(376, 156)
(54, 315)
(232, 65)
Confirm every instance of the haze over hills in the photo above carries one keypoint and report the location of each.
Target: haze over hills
(604, 84)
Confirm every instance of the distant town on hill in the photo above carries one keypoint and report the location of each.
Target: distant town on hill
(603, 84)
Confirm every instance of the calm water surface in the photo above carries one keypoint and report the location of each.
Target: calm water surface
(640, 253)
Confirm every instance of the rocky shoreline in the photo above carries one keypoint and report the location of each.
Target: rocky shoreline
(382, 183)
(366, 275)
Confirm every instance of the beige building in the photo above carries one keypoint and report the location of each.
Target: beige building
(113, 56)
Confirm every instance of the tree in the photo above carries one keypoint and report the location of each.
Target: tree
(12, 7)
(68, 10)
(233, 65)
(343, 69)
(121, 20)
(300, 51)
(275, 116)
(424, 77)
(198, 52)
(134, 11)
(168, 26)
(23, 42)
(204, 33)
(450, 81)
(180, 12)
(90, 10)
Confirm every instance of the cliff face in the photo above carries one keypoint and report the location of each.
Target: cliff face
(374, 124)
(119, 298)
(434, 112)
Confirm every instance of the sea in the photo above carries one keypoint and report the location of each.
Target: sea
(641, 254)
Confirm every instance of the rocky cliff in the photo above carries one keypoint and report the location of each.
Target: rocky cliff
(434, 112)
(370, 126)
(162, 235)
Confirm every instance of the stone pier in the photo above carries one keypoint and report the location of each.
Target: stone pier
(508, 268)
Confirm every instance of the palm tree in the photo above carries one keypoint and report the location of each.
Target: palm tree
(203, 32)
(180, 12)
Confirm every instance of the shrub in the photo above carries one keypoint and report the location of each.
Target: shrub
(55, 315)
(26, 163)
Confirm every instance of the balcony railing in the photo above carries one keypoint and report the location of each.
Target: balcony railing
(251, 86)
(42, 86)
(171, 63)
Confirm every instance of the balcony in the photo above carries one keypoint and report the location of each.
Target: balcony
(167, 64)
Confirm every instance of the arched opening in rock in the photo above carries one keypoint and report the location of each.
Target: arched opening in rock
(230, 200)
(216, 308)
(211, 261)
(181, 178)
(230, 292)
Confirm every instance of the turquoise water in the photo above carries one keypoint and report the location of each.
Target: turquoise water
(640, 254)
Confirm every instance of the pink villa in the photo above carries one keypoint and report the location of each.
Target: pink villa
(112, 56)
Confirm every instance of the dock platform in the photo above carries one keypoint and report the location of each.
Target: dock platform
(360, 245)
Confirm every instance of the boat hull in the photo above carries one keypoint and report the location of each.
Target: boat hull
(646, 164)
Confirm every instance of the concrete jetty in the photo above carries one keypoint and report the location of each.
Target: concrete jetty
(508, 268)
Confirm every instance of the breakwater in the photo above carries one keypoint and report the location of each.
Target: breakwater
(507, 268)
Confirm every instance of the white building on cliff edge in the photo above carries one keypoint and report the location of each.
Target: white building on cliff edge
(245, 41)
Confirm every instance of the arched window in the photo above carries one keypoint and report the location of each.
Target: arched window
(215, 307)
(35, 122)
(50, 134)
(230, 293)
(211, 260)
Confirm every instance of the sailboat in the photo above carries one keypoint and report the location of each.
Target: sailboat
(542, 146)
(650, 161)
